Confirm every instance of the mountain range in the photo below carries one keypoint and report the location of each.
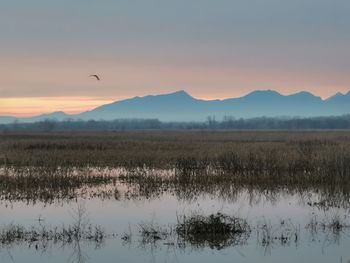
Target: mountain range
(180, 106)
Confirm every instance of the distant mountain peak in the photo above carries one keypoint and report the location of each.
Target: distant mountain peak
(304, 93)
(267, 92)
(59, 113)
(54, 114)
(179, 93)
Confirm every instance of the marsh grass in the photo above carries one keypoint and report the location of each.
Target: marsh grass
(335, 224)
(40, 236)
(284, 233)
(53, 166)
(151, 233)
(216, 230)
(47, 185)
(69, 185)
(251, 154)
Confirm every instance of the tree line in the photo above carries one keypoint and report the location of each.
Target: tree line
(228, 122)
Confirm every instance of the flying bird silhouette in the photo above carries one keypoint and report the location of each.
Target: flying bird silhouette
(95, 76)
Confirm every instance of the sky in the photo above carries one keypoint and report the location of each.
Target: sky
(213, 49)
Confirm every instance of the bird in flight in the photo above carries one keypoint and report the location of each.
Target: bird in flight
(96, 76)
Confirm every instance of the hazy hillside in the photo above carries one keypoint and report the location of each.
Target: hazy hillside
(180, 106)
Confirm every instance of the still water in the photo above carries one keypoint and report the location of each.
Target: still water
(286, 213)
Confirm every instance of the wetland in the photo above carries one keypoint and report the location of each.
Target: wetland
(175, 196)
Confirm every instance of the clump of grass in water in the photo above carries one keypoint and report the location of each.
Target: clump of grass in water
(216, 230)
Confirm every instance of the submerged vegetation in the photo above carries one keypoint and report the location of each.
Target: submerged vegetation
(284, 233)
(196, 231)
(41, 236)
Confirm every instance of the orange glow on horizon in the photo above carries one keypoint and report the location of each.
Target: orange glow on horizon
(28, 107)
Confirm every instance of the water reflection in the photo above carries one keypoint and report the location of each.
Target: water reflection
(140, 215)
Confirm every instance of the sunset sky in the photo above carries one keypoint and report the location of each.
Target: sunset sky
(210, 48)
